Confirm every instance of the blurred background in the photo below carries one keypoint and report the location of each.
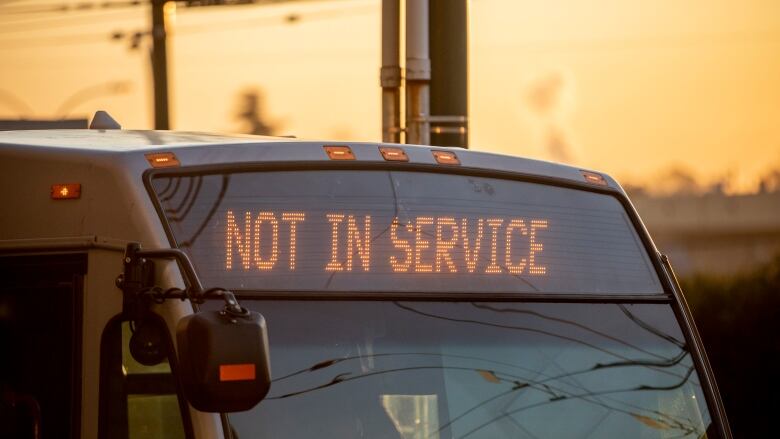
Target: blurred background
(680, 100)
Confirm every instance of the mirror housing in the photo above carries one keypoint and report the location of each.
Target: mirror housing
(223, 359)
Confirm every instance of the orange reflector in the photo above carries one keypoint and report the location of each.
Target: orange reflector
(594, 178)
(339, 152)
(445, 157)
(237, 372)
(68, 191)
(162, 159)
(393, 154)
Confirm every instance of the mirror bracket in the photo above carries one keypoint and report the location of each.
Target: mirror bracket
(223, 355)
(137, 283)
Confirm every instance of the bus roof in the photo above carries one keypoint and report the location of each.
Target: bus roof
(196, 148)
(123, 140)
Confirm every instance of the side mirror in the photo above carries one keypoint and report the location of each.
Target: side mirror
(223, 359)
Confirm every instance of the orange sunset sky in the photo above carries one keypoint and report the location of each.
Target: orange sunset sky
(629, 87)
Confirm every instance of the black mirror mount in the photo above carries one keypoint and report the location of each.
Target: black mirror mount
(149, 343)
(223, 355)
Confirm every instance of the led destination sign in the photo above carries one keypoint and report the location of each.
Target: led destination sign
(425, 244)
(364, 231)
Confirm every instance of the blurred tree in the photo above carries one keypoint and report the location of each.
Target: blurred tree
(544, 94)
(738, 321)
(547, 100)
(770, 182)
(252, 114)
(679, 180)
(635, 190)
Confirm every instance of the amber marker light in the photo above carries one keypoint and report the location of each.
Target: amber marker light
(594, 178)
(237, 372)
(393, 154)
(67, 191)
(445, 157)
(162, 159)
(339, 152)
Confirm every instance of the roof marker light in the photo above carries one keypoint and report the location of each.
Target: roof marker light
(445, 157)
(162, 159)
(594, 178)
(339, 152)
(66, 191)
(393, 154)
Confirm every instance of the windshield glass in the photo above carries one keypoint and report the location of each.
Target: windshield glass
(390, 231)
(377, 369)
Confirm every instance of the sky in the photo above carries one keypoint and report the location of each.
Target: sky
(629, 87)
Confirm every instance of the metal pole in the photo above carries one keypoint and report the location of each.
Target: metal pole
(159, 66)
(390, 75)
(449, 72)
(418, 73)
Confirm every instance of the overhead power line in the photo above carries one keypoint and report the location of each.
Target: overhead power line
(71, 7)
(54, 41)
(290, 18)
(46, 23)
(5, 2)
(48, 8)
(136, 37)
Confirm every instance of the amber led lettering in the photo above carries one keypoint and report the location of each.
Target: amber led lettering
(536, 247)
(444, 246)
(360, 245)
(494, 224)
(399, 265)
(293, 218)
(334, 264)
(471, 250)
(268, 241)
(519, 225)
(421, 244)
(268, 262)
(241, 240)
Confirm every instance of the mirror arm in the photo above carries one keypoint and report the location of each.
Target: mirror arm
(185, 264)
(137, 282)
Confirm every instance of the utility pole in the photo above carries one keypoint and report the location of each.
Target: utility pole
(436, 78)
(390, 74)
(418, 73)
(159, 65)
(449, 72)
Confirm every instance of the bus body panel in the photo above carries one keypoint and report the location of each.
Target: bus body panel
(115, 209)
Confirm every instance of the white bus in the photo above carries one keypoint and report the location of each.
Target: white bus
(407, 292)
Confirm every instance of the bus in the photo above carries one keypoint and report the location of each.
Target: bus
(160, 284)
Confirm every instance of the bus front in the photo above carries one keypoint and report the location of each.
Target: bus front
(411, 300)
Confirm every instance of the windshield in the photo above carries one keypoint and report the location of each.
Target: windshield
(391, 231)
(379, 369)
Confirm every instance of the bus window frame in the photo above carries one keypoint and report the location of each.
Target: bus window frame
(672, 293)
